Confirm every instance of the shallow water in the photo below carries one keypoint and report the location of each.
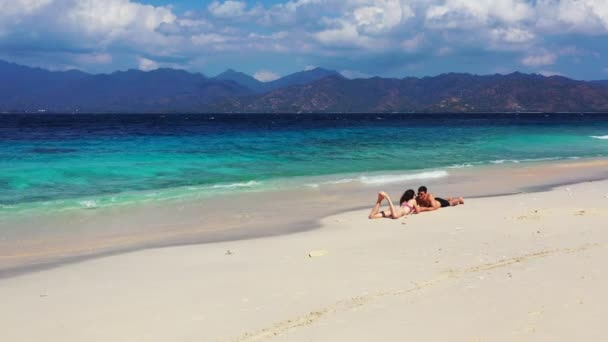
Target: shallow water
(55, 162)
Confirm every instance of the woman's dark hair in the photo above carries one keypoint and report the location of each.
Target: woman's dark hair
(408, 195)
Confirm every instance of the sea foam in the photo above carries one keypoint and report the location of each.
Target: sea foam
(601, 137)
(530, 160)
(384, 179)
(460, 166)
(236, 185)
(88, 204)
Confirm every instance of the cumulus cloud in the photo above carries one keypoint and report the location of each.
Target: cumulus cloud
(209, 39)
(72, 25)
(114, 17)
(94, 58)
(266, 76)
(345, 35)
(227, 9)
(146, 64)
(364, 24)
(472, 13)
(583, 16)
(539, 59)
(513, 35)
(353, 74)
(400, 32)
(380, 17)
(549, 73)
(414, 43)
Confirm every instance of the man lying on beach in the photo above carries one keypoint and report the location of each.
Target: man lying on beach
(428, 202)
(407, 206)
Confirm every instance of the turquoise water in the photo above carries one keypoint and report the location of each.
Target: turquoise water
(57, 162)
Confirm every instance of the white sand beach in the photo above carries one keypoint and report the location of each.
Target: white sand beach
(526, 267)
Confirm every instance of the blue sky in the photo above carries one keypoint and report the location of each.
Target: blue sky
(272, 38)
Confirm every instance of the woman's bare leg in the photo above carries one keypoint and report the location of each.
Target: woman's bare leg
(376, 213)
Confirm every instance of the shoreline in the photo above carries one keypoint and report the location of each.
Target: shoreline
(186, 238)
(522, 267)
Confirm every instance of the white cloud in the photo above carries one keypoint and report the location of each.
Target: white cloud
(310, 67)
(539, 59)
(209, 39)
(414, 43)
(227, 9)
(266, 76)
(84, 24)
(381, 17)
(351, 30)
(352, 74)
(94, 58)
(513, 35)
(16, 8)
(114, 17)
(549, 73)
(472, 13)
(584, 16)
(146, 64)
(345, 35)
(444, 51)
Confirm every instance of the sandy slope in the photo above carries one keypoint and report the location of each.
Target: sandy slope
(530, 267)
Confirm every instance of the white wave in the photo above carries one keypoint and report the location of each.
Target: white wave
(502, 161)
(339, 181)
(529, 160)
(460, 166)
(331, 182)
(236, 185)
(601, 137)
(88, 204)
(403, 178)
(541, 159)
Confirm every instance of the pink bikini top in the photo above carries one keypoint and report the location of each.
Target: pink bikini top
(412, 209)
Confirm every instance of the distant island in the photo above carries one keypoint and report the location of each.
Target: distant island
(28, 90)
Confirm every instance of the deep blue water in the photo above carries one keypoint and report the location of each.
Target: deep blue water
(53, 160)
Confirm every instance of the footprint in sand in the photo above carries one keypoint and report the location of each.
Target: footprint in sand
(529, 217)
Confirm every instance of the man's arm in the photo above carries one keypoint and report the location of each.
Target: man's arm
(423, 209)
(434, 205)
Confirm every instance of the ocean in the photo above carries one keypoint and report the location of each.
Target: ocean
(58, 162)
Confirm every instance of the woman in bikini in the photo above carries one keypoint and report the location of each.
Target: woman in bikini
(407, 206)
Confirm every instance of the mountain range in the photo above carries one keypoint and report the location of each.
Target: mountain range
(258, 87)
(26, 89)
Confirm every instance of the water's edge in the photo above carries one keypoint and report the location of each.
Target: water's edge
(309, 224)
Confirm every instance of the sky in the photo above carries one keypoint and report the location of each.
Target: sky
(272, 38)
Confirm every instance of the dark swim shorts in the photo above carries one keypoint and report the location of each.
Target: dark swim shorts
(444, 203)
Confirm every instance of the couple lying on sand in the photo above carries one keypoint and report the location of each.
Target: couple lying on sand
(412, 204)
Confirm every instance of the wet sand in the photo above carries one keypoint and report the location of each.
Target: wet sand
(34, 243)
